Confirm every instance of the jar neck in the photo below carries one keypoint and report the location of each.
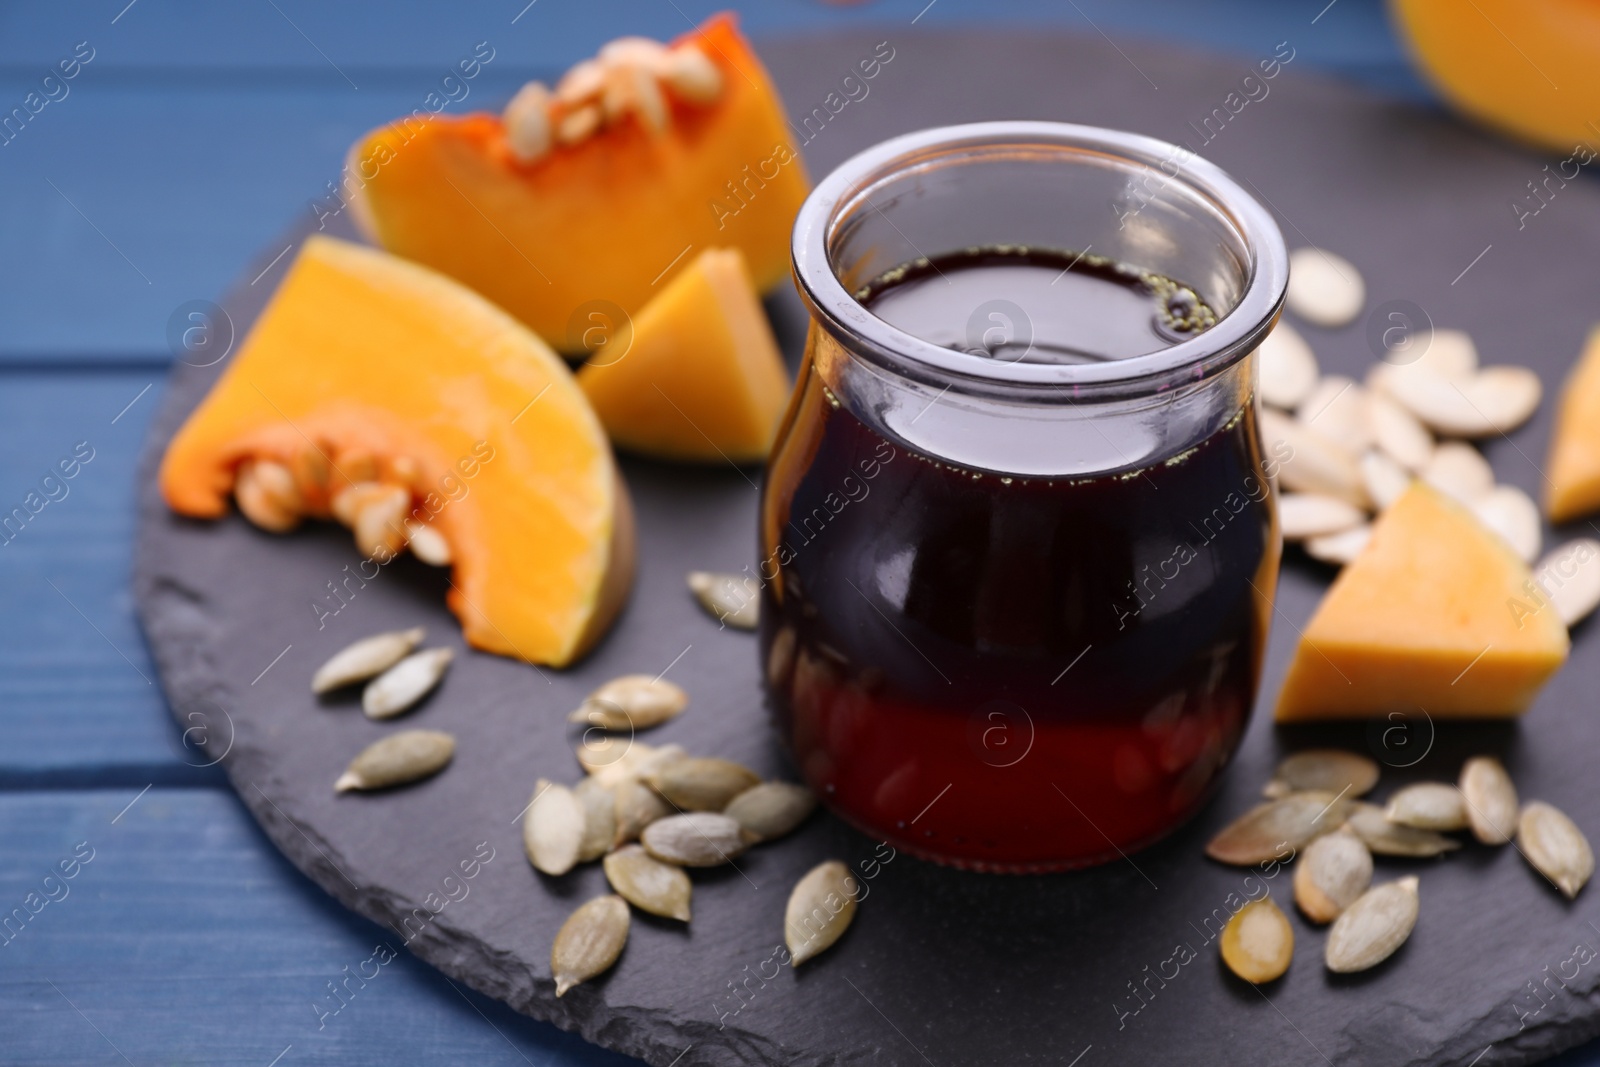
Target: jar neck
(1042, 431)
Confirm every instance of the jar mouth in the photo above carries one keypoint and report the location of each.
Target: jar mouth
(1156, 185)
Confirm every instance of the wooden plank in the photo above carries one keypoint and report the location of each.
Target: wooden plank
(79, 692)
(183, 937)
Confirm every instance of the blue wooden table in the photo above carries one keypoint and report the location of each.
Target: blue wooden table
(143, 918)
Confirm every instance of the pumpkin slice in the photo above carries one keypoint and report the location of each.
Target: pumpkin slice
(702, 379)
(1436, 614)
(600, 221)
(367, 372)
(1574, 464)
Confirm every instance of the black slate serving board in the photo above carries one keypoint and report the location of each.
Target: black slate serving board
(942, 967)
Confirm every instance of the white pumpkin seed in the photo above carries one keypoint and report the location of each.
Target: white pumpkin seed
(366, 658)
(589, 942)
(616, 759)
(648, 884)
(1512, 514)
(1494, 400)
(1385, 479)
(1450, 353)
(772, 809)
(1555, 846)
(1337, 409)
(632, 702)
(821, 907)
(1570, 577)
(1258, 942)
(267, 495)
(1330, 874)
(1491, 800)
(692, 75)
(1386, 838)
(1332, 770)
(582, 82)
(599, 818)
(697, 839)
(379, 524)
(1286, 367)
(1398, 433)
(553, 828)
(579, 124)
(1311, 462)
(1324, 288)
(733, 599)
(636, 806)
(529, 134)
(1428, 806)
(1458, 470)
(407, 682)
(428, 544)
(1307, 515)
(643, 52)
(1340, 548)
(398, 759)
(1371, 928)
(702, 783)
(1270, 831)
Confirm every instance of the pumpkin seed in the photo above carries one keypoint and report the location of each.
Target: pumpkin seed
(698, 839)
(1397, 433)
(1493, 400)
(1428, 806)
(365, 659)
(1385, 479)
(821, 907)
(772, 809)
(1264, 832)
(527, 123)
(1555, 846)
(1450, 353)
(266, 494)
(1340, 548)
(379, 523)
(599, 818)
(1303, 515)
(612, 759)
(732, 599)
(636, 806)
(1337, 409)
(1333, 871)
(1385, 838)
(1315, 464)
(427, 544)
(634, 51)
(702, 783)
(1491, 800)
(1331, 770)
(553, 828)
(1324, 288)
(407, 682)
(1258, 943)
(1287, 368)
(692, 76)
(1458, 470)
(1371, 928)
(578, 124)
(1512, 514)
(589, 942)
(648, 884)
(398, 759)
(582, 82)
(1570, 577)
(632, 702)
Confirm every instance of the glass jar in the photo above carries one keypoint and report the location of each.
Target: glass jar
(1015, 593)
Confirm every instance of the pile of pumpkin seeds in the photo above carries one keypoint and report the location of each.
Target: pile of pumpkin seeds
(1313, 816)
(651, 814)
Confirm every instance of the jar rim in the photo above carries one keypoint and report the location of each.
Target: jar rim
(1237, 333)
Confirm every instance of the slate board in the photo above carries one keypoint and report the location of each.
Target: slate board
(942, 967)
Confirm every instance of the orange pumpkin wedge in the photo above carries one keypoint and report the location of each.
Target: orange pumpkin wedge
(702, 378)
(1573, 487)
(1436, 615)
(367, 369)
(598, 222)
